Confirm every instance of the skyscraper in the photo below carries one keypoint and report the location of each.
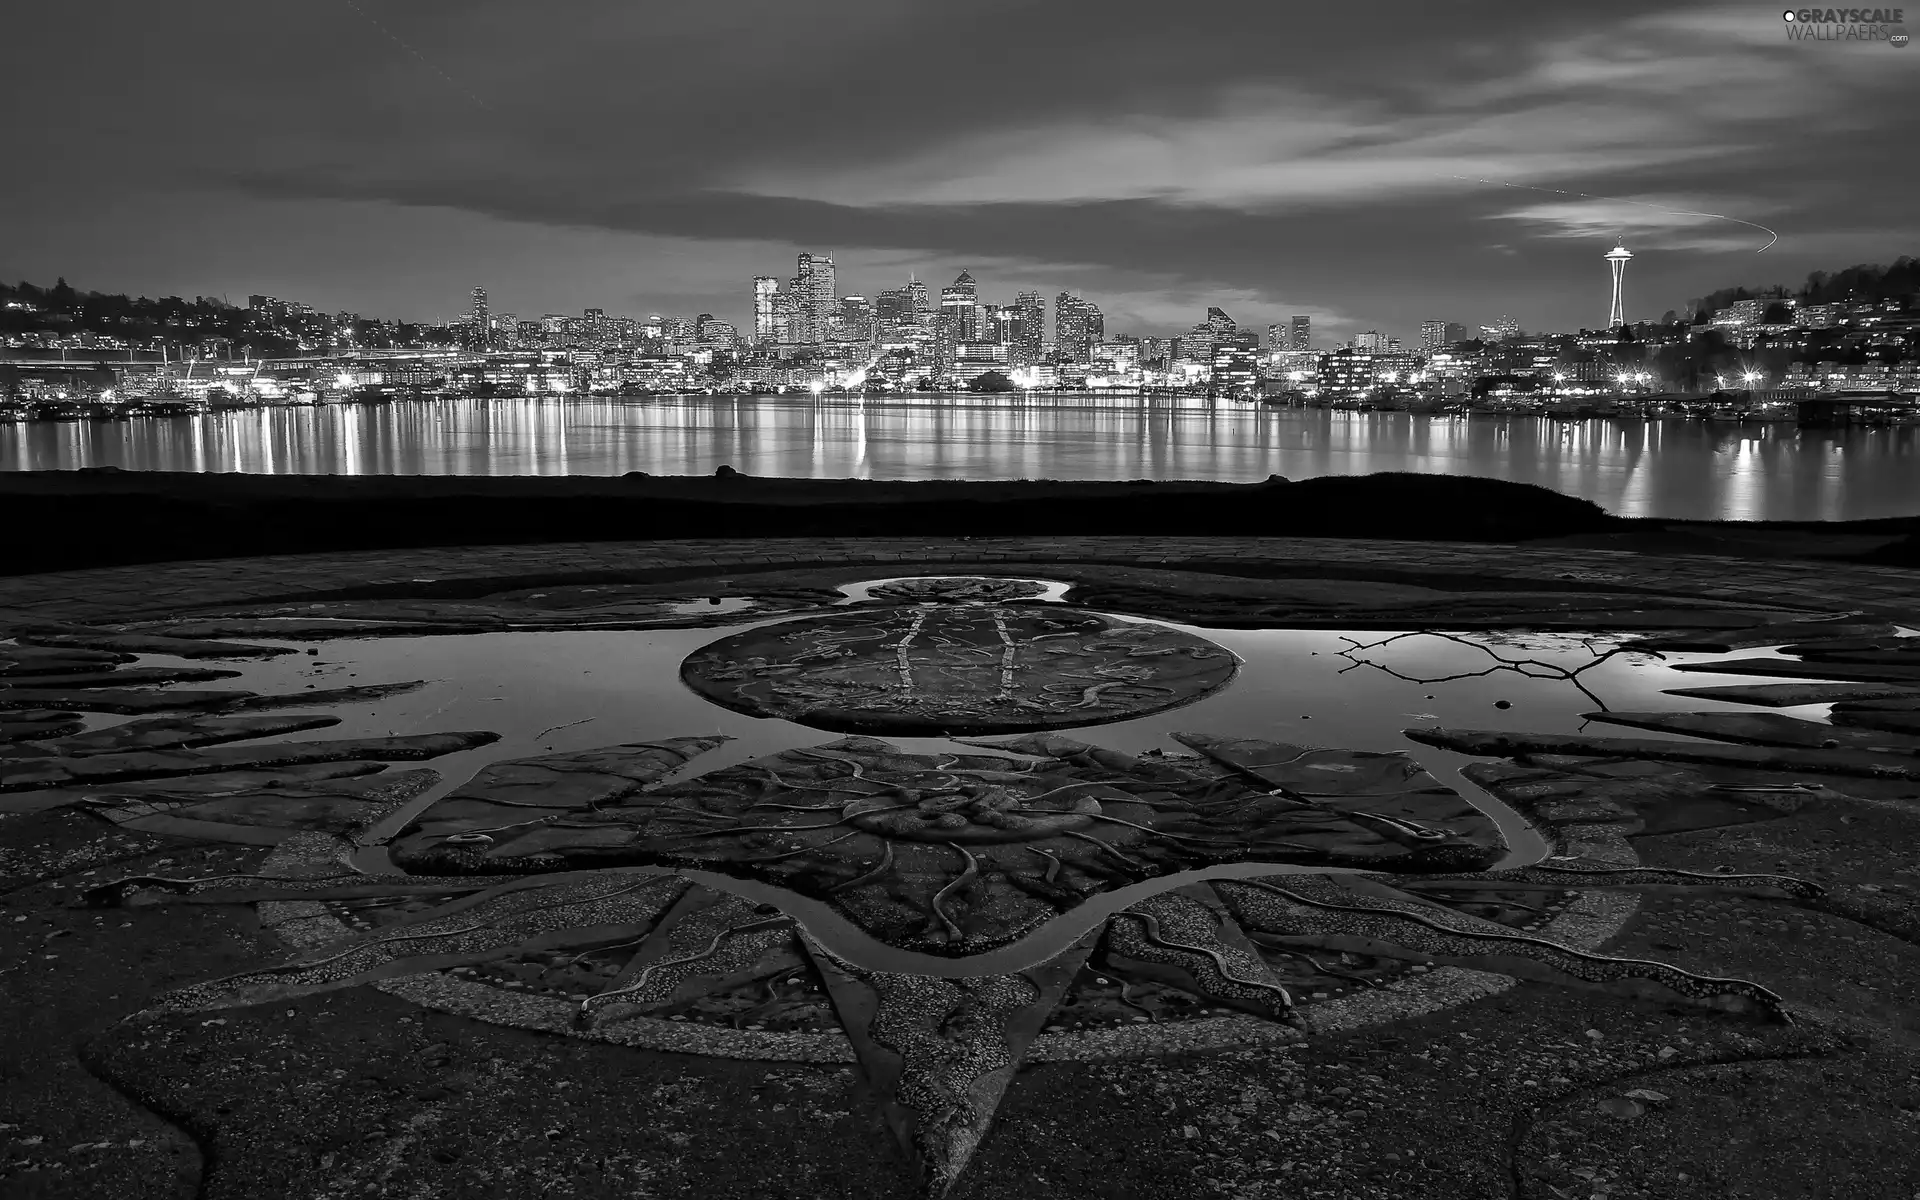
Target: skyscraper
(1433, 335)
(816, 293)
(1302, 333)
(1031, 328)
(853, 320)
(962, 299)
(765, 287)
(482, 319)
(1617, 311)
(1077, 327)
(893, 306)
(921, 302)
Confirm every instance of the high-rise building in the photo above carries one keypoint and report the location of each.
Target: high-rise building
(816, 293)
(921, 303)
(1032, 328)
(1235, 363)
(1276, 337)
(894, 306)
(1617, 311)
(1433, 335)
(1501, 330)
(714, 334)
(765, 287)
(1370, 342)
(961, 299)
(1302, 333)
(481, 318)
(1077, 327)
(505, 331)
(1197, 344)
(678, 331)
(946, 339)
(853, 320)
(999, 323)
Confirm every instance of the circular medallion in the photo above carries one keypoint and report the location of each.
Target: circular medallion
(956, 589)
(939, 670)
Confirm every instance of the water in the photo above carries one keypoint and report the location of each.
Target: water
(567, 691)
(1682, 470)
(578, 690)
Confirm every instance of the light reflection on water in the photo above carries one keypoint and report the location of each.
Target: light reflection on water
(579, 690)
(1676, 469)
(546, 692)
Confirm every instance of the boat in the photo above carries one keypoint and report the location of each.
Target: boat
(56, 410)
(168, 406)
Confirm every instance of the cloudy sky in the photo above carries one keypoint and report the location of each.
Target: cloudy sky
(1372, 165)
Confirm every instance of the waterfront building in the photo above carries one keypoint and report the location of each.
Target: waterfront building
(1235, 365)
(1302, 333)
(1117, 357)
(1346, 374)
(1394, 365)
(974, 359)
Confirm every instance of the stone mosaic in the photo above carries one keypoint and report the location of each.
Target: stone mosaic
(937, 919)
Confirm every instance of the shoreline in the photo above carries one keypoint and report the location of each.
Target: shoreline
(68, 520)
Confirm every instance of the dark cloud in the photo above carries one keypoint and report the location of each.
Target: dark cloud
(1289, 155)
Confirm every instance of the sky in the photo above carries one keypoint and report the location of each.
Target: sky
(1369, 164)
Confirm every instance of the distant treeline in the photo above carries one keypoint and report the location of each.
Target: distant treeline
(1865, 282)
(64, 309)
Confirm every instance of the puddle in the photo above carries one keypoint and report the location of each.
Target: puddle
(1053, 591)
(577, 690)
(712, 606)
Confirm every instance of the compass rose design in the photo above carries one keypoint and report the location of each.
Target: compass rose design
(942, 912)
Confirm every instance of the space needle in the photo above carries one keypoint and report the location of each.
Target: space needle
(1617, 258)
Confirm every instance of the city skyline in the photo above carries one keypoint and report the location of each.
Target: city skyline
(1451, 164)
